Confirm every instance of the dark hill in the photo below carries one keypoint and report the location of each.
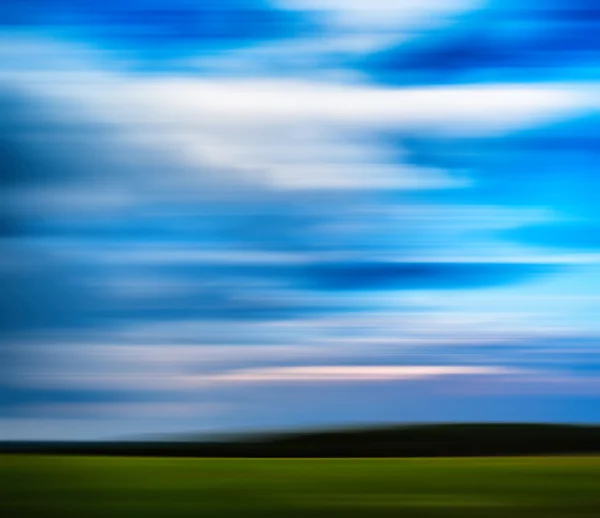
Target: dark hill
(391, 441)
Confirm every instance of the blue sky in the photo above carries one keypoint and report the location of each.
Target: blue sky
(225, 215)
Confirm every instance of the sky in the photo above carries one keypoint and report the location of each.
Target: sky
(243, 214)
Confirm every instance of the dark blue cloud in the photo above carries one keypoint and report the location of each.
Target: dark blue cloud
(553, 166)
(35, 143)
(29, 401)
(242, 303)
(271, 291)
(41, 294)
(156, 30)
(502, 41)
(406, 276)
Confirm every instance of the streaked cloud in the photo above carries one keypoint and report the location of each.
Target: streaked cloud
(352, 373)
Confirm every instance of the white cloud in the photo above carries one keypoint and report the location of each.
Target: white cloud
(470, 109)
(284, 133)
(179, 382)
(293, 134)
(353, 373)
(143, 368)
(380, 14)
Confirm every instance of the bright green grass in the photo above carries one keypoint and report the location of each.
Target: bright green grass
(87, 487)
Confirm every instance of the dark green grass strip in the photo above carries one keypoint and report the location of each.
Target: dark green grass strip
(113, 487)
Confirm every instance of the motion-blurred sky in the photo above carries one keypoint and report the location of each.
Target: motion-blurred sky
(232, 214)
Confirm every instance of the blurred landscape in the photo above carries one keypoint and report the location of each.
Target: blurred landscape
(283, 225)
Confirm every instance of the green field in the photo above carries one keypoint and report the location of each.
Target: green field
(85, 487)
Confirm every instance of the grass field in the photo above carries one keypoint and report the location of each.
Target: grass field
(86, 487)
